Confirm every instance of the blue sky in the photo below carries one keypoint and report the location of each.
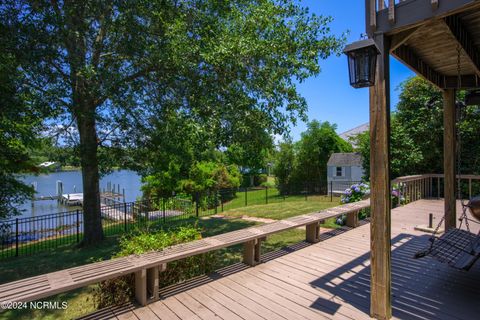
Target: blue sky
(329, 95)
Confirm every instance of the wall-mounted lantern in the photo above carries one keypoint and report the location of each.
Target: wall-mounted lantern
(362, 62)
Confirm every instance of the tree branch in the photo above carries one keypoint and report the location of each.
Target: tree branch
(129, 78)
(98, 44)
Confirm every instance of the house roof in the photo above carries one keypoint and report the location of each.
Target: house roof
(353, 132)
(345, 159)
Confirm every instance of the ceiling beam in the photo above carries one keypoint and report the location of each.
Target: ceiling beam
(463, 38)
(400, 38)
(410, 59)
(469, 81)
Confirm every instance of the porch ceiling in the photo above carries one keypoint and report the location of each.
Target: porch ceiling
(430, 49)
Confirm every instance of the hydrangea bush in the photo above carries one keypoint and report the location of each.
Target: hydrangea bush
(397, 196)
(356, 192)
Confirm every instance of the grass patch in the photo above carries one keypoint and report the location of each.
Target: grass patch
(285, 209)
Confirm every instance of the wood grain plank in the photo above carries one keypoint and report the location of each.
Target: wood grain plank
(179, 309)
(196, 307)
(162, 311)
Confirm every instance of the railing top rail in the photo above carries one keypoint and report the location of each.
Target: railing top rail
(433, 175)
(410, 178)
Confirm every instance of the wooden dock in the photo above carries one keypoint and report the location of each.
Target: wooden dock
(327, 280)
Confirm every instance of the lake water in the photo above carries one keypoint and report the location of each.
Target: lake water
(72, 183)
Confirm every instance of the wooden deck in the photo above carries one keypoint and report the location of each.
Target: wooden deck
(327, 280)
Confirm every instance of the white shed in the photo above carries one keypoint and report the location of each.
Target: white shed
(343, 170)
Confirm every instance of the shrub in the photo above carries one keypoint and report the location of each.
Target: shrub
(120, 290)
(356, 192)
(397, 196)
(260, 179)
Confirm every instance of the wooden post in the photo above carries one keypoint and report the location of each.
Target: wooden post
(252, 252)
(380, 226)
(147, 284)
(469, 189)
(352, 219)
(141, 286)
(438, 187)
(313, 232)
(449, 157)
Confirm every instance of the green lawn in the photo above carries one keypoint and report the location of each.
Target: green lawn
(283, 210)
(258, 197)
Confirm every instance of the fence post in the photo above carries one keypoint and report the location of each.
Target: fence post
(266, 194)
(221, 200)
(197, 198)
(16, 237)
(246, 190)
(125, 216)
(331, 191)
(163, 208)
(216, 202)
(78, 226)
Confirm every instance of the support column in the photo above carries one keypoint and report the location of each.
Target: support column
(449, 157)
(380, 232)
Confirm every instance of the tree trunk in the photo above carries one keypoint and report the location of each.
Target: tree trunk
(93, 231)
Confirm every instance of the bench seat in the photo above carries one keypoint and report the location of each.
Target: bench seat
(145, 266)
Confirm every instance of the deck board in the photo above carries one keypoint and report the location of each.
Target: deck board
(331, 280)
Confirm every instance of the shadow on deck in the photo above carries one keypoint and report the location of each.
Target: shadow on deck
(327, 280)
(421, 288)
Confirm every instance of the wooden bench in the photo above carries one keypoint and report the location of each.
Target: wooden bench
(146, 267)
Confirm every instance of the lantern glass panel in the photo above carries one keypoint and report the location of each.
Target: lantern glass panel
(361, 64)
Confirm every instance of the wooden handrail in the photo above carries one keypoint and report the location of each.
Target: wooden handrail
(417, 187)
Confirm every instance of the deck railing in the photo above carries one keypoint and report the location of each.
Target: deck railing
(379, 5)
(417, 187)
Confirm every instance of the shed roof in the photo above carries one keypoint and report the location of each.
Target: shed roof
(345, 159)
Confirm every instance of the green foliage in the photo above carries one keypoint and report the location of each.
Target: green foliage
(406, 156)
(19, 122)
(417, 133)
(143, 242)
(121, 289)
(210, 176)
(261, 179)
(306, 160)
(161, 184)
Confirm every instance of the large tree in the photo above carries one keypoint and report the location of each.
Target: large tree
(303, 164)
(114, 67)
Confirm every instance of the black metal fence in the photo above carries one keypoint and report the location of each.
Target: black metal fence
(228, 199)
(26, 236)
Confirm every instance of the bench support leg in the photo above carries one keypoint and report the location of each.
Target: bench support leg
(252, 252)
(352, 219)
(313, 232)
(146, 284)
(141, 287)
